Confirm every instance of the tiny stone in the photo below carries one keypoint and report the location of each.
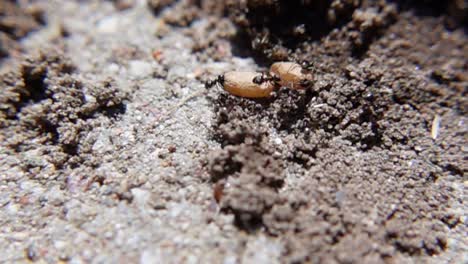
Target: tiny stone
(140, 196)
(278, 141)
(140, 69)
(108, 25)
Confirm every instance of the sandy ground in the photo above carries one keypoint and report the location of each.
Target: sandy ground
(110, 146)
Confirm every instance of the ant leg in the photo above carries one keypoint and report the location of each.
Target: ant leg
(305, 83)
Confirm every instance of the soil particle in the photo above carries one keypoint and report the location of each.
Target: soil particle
(369, 24)
(123, 4)
(158, 5)
(182, 13)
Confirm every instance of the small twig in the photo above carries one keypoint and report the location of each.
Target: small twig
(182, 102)
(185, 100)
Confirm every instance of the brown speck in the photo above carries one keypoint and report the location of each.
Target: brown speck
(123, 4)
(166, 164)
(218, 190)
(172, 148)
(157, 55)
(24, 200)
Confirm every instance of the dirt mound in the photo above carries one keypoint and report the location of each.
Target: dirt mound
(45, 110)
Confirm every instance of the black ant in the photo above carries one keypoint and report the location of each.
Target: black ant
(211, 83)
(265, 77)
(306, 65)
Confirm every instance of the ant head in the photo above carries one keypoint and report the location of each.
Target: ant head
(306, 65)
(208, 84)
(211, 83)
(220, 79)
(258, 79)
(275, 78)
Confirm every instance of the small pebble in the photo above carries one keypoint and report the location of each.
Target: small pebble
(108, 25)
(140, 69)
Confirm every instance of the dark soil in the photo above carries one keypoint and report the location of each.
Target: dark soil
(360, 138)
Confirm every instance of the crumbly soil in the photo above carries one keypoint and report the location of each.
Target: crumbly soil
(15, 23)
(112, 150)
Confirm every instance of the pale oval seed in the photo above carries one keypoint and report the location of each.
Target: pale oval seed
(241, 84)
(291, 74)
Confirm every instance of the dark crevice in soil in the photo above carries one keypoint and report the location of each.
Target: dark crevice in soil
(454, 169)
